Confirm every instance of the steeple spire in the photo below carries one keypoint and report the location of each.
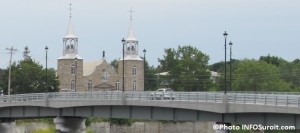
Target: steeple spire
(70, 31)
(131, 36)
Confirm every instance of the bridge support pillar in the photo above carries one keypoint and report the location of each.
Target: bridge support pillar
(70, 124)
(7, 126)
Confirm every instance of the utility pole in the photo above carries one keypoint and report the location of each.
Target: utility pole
(11, 50)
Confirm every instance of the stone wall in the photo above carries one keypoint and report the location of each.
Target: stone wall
(154, 127)
(64, 74)
(129, 78)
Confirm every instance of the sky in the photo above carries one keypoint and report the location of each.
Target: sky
(255, 27)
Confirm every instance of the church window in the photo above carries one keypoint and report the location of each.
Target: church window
(117, 85)
(73, 69)
(72, 46)
(68, 46)
(73, 85)
(134, 71)
(134, 86)
(90, 85)
(105, 74)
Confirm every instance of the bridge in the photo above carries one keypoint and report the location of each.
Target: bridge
(234, 107)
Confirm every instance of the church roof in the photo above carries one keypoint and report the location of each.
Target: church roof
(90, 67)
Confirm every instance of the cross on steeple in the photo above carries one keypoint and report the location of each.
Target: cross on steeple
(70, 10)
(131, 12)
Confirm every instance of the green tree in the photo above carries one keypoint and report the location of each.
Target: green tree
(290, 72)
(151, 80)
(187, 67)
(274, 60)
(27, 76)
(253, 75)
(114, 63)
(220, 67)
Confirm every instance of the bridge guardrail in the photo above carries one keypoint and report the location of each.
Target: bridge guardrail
(104, 95)
(213, 97)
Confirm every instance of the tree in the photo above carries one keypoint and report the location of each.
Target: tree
(290, 73)
(26, 53)
(151, 81)
(27, 76)
(274, 60)
(114, 63)
(219, 67)
(253, 75)
(187, 67)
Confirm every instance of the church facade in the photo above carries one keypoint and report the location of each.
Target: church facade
(75, 74)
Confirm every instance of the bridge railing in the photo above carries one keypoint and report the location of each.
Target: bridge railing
(103, 95)
(214, 97)
(264, 99)
(22, 97)
(174, 96)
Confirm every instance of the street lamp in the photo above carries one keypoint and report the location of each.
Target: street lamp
(75, 89)
(230, 69)
(145, 83)
(46, 49)
(225, 90)
(123, 78)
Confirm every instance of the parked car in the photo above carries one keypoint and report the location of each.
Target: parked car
(163, 93)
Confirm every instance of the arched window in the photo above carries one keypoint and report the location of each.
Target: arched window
(73, 69)
(105, 74)
(134, 71)
(90, 85)
(134, 86)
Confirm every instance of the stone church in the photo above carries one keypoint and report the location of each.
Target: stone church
(75, 74)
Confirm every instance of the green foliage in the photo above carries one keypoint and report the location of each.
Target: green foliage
(28, 76)
(114, 63)
(151, 80)
(253, 75)
(188, 69)
(220, 68)
(274, 60)
(290, 72)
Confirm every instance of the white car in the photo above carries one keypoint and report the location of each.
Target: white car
(163, 93)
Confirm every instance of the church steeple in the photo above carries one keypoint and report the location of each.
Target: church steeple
(70, 31)
(70, 41)
(131, 43)
(131, 35)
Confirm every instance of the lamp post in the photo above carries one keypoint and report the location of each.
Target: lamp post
(230, 69)
(225, 86)
(123, 78)
(75, 89)
(145, 83)
(46, 49)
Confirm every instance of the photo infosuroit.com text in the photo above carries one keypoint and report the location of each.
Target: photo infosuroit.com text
(252, 127)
